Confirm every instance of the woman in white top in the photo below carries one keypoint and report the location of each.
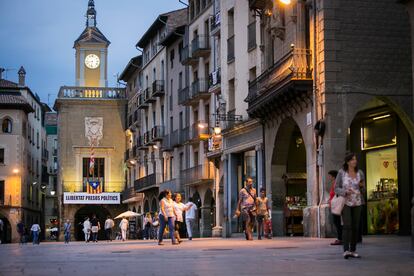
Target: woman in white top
(179, 208)
(167, 215)
(87, 229)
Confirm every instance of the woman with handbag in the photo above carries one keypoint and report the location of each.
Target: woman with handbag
(336, 218)
(167, 216)
(246, 206)
(350, 184)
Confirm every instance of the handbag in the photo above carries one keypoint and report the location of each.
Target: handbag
(337, 204)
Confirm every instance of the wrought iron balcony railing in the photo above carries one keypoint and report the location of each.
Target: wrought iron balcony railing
(196, 175)
(147, 138)
(183, 95)
(145, 182)
(186, 56)
(158, 88)
(157, 133)
(200, 46)
(215, 22)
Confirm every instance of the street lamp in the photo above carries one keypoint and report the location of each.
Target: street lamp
(52, 193)
(16, 171)
(286, 2)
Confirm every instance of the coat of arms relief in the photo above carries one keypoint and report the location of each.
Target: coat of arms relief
(94, 130)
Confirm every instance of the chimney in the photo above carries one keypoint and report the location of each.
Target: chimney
(1, 72)
(22, 76)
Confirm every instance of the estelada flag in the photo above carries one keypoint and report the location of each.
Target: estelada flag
(94, 187)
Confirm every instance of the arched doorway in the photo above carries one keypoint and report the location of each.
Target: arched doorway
(6, 234)
(197, 201)
(88, 211)
(384, 148)
(146, 207)
(207, 214)
(288, 178)
(154, 206)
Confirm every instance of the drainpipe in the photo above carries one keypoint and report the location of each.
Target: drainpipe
(314, 108)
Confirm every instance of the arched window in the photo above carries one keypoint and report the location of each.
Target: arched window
(7, 125)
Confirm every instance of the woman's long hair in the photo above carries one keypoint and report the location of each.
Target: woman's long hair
(163, 194)
(348, 157)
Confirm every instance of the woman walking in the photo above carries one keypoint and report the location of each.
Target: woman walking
(350, 183)
(179, 208)
(167, 215)
(147, 226)
(66, 230)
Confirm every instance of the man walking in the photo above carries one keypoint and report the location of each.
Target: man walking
(109, 224)
(246, 206)
(190, 216)
(123, 225)
(20, 231)
(66, 230)
(35, 232)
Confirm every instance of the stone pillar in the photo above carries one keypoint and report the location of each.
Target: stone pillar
(217, 229)
(205, 222)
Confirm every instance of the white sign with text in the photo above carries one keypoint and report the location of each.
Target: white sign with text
(85, 198)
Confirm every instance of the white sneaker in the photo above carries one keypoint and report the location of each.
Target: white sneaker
(347, 254)
(355, 255)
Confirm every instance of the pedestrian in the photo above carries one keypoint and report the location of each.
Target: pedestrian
(1, 230)
(190, 216)
(179, 208)
(35, 232)
(246, 207)
(95, 227)
(123, 225)
(350, 183)
(262, 203)
(87, 229)
(335, 218)
(21, 232)
(66, 231)
(155, 225)
(109, 224)
(147, 226)
(167, 215)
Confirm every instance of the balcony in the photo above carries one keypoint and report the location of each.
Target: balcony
(183, 95)
(140, 143)
(147, 138)
(260, 4)
(214, 81)
(179, 137)
(129, 195)
(172, 185)
(288, 79)
(81, 186)
(157, 133)
(195, 133)
(186, 56)
(77, 92)
(148, 97)
(158, 88)
(197, 175)
(166, 143)
(137, 117)
(215, 22)
(230, 49)
(199, 90)
(141, 101)
(145, 183)
(200, 46)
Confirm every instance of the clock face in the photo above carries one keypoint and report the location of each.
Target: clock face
(92, 61)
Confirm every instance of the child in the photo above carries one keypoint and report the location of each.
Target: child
(262, 212)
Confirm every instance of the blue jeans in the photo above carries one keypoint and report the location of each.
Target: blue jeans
(35, 237)
(163, 223)
(67, 237)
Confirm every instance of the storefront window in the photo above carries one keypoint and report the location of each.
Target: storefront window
(249, 166)
(382, 191)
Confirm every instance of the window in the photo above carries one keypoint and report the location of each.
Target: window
(172, 58)
(1, 156)
(180, 48)
(7, 125)
(37, 139)
(2, 192)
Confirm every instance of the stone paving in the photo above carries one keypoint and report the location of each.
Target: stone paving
(280, 256)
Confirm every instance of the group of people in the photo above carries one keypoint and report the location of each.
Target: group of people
(251, 208)
(171, 213)
(91, 227)
(348, 183)
(25, 234)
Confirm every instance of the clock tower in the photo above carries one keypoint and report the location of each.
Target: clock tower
(91, 53)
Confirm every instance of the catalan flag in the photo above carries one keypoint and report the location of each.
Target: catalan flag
(93, 187)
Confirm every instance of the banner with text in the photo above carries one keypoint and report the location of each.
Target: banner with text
(86, 198)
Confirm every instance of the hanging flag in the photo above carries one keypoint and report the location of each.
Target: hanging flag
(94, 187)
(92, 163)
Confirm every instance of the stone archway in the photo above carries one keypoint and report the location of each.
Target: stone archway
(380, 215)
(88, 211)
(154, 205)
(6, 234)
(207, 214)
(288, 178)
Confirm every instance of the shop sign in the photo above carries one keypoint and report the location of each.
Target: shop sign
(86, 198)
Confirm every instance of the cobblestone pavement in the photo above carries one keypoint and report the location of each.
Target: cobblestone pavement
(280, 256)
